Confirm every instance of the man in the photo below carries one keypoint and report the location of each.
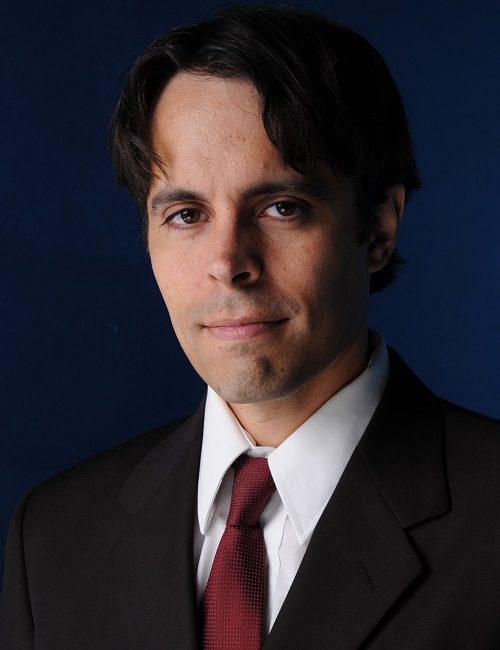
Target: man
(270, 152)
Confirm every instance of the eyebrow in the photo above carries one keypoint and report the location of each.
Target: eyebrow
(172, 195)
(308, 186)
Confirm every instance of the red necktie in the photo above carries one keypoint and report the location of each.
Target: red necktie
(233, 604)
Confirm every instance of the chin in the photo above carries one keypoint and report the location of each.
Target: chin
(264, 381)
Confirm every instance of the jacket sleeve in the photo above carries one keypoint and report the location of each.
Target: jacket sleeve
(16, 620)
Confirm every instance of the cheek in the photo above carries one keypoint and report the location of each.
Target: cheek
(316, 266)
(167, 277)
(331, 274)
(179, 281)
(161, 273)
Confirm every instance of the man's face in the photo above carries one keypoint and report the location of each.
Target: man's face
(260, 267)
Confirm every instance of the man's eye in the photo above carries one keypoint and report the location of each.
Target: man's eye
(283, 209)
(185, 217)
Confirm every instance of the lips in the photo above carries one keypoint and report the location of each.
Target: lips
(242, 329)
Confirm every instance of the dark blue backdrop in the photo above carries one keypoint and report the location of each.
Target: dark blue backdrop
(88, 355)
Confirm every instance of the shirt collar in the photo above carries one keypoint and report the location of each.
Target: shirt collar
(307, 466)
(223, 442)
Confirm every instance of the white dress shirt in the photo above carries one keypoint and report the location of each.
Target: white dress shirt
(306, 468)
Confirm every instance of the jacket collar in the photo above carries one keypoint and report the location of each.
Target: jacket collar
(403, 447)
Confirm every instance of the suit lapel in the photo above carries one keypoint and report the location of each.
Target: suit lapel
(357, 564)
(153, 557)
(359, 561)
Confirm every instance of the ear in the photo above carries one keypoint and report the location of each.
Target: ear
(385, 227)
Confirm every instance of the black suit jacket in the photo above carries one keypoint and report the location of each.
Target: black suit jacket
(406, 554)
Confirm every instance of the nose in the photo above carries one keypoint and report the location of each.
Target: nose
(235, 257)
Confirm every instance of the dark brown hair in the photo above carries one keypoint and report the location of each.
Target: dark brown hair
(327, 97)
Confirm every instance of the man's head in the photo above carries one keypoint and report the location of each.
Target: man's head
(326, 96)
(269, 150)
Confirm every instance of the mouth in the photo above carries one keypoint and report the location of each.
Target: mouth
(242, 329)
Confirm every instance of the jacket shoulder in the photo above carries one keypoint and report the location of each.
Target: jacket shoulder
(462, 418)
(88, 490)
(121, 459)
(472, 444)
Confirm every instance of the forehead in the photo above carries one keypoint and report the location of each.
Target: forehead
(196, 93)
(204, 119)
(204, 99)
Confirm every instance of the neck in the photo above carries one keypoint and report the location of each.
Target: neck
(270, 423)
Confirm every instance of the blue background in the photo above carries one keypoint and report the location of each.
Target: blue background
(88, 355)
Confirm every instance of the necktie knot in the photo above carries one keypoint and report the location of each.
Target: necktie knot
(253, 486)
